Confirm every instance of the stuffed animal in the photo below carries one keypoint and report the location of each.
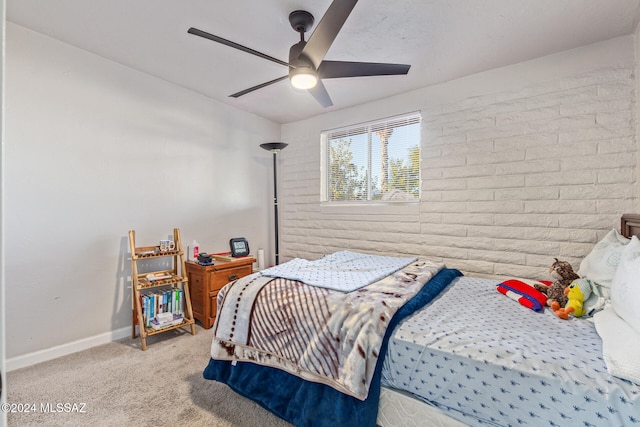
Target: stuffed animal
(578, 292)
(563, 274)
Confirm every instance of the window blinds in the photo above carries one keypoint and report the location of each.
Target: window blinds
(376, 161)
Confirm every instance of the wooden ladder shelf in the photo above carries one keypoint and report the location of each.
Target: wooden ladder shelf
(171, 277)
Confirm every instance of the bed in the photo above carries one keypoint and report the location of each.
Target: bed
(449, 351)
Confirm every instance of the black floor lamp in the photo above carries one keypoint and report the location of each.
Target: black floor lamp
(275, 147)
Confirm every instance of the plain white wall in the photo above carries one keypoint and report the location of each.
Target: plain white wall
(520, 164)
(94, 149)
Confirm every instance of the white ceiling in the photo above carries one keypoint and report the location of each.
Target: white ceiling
(441, 39)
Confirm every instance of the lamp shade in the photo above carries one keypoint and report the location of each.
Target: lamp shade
(274, 146)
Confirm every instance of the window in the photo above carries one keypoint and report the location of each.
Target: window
(377, 161)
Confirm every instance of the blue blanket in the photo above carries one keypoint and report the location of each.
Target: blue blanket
(304, 403)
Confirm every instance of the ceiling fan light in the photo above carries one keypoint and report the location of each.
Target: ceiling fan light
(303, 78)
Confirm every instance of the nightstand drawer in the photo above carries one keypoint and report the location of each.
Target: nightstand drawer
(222, 277)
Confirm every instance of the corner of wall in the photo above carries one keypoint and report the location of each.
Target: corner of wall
(637, 110)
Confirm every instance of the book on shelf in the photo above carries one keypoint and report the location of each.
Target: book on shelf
(177, 319)
(155, 277)
(145, 310)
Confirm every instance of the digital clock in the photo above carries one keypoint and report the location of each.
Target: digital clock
(239, 247)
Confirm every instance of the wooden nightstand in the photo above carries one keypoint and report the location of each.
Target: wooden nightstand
(206, 280)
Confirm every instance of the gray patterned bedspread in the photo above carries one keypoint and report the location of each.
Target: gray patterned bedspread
(318, 334)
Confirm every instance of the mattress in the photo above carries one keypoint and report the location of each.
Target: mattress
(483, 359)
(401, 409)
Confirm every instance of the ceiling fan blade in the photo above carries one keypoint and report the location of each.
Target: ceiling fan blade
(337, 69)
(260, 86)
(327, 30)
(321, 95)
(235, 45)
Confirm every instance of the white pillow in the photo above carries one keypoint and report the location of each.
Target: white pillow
(625, 287)
(620, 345)
(601, 263)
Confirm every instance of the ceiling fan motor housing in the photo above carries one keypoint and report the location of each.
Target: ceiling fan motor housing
(295, 57)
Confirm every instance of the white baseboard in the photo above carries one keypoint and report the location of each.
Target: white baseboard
(64, 349)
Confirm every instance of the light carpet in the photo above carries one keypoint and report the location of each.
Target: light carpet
(118, 384)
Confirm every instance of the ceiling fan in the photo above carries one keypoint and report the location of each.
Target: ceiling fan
(307, 66)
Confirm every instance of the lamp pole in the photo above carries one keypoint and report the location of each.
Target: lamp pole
(275, 147)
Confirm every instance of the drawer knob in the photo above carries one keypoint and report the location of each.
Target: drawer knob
(232, 277)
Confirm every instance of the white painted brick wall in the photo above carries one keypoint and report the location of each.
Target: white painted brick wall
(510, 181)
